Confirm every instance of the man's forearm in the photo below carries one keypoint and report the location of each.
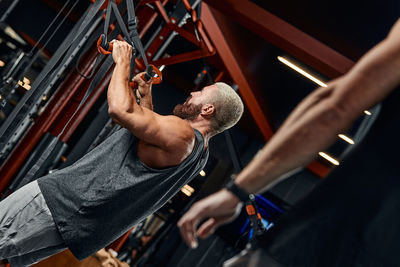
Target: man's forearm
(315, 123)
(147, 101)
(119, 95)
(294, 145)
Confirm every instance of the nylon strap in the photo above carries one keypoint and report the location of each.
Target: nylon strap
(107, 21)
(95, 82)
(134, 35)
(131, 12)
(120, 21)
(31, 174)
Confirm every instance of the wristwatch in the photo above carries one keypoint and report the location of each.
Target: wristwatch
(236, 190)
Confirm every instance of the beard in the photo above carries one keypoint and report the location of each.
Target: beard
(187, 111)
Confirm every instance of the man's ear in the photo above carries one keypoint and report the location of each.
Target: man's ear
(208, 110)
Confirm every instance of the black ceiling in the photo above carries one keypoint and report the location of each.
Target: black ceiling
(350, 27)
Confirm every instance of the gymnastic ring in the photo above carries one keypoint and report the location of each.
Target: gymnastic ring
(103, 46)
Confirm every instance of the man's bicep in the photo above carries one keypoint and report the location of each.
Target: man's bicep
(395, 31)
(152, 128)
(371, 79)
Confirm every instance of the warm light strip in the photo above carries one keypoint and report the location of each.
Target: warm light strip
(309, 76)
(189, 188)
(202, 173)
(186, 192)
(302, 72)
(346, 138)
(328, 158)
(2, 64)
(26, 86)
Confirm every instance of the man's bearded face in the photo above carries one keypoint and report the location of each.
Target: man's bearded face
(187, 111)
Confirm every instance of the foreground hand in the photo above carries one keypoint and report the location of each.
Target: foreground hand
(220, 208)
(144, 87)
(122, 52)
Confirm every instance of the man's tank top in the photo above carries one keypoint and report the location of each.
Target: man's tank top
(109, 190)
(353, 217)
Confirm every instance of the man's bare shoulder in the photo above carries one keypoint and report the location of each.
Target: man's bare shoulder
(179, 141)
(394, 34)
(180, 130)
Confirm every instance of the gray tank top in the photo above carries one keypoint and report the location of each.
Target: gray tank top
(109, 190)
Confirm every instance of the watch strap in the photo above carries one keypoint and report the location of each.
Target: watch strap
(236, 190)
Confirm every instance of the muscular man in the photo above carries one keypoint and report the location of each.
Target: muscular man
(86, 206)
(352, 218)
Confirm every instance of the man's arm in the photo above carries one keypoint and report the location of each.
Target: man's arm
(334, 109)
(169, 133)
(144, 91)
(310, 128)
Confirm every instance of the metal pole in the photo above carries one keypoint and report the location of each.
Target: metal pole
(9, 9)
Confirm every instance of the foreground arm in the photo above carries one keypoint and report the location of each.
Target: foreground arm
(335, 109)
(310, 128)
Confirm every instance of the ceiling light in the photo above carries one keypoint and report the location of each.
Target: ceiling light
(9, 31)
(26, 80)
(189, 188)
(186, 192)
(24, 85)
(301, 71)
(328, 158)
(367, 112)
(202, 173)
(11, 45)
(346, 138)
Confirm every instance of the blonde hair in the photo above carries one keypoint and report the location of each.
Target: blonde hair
(228, 108)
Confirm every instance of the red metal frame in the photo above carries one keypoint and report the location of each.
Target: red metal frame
(245, 90)
(205, 46)
(285, 36)
(235, 72)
